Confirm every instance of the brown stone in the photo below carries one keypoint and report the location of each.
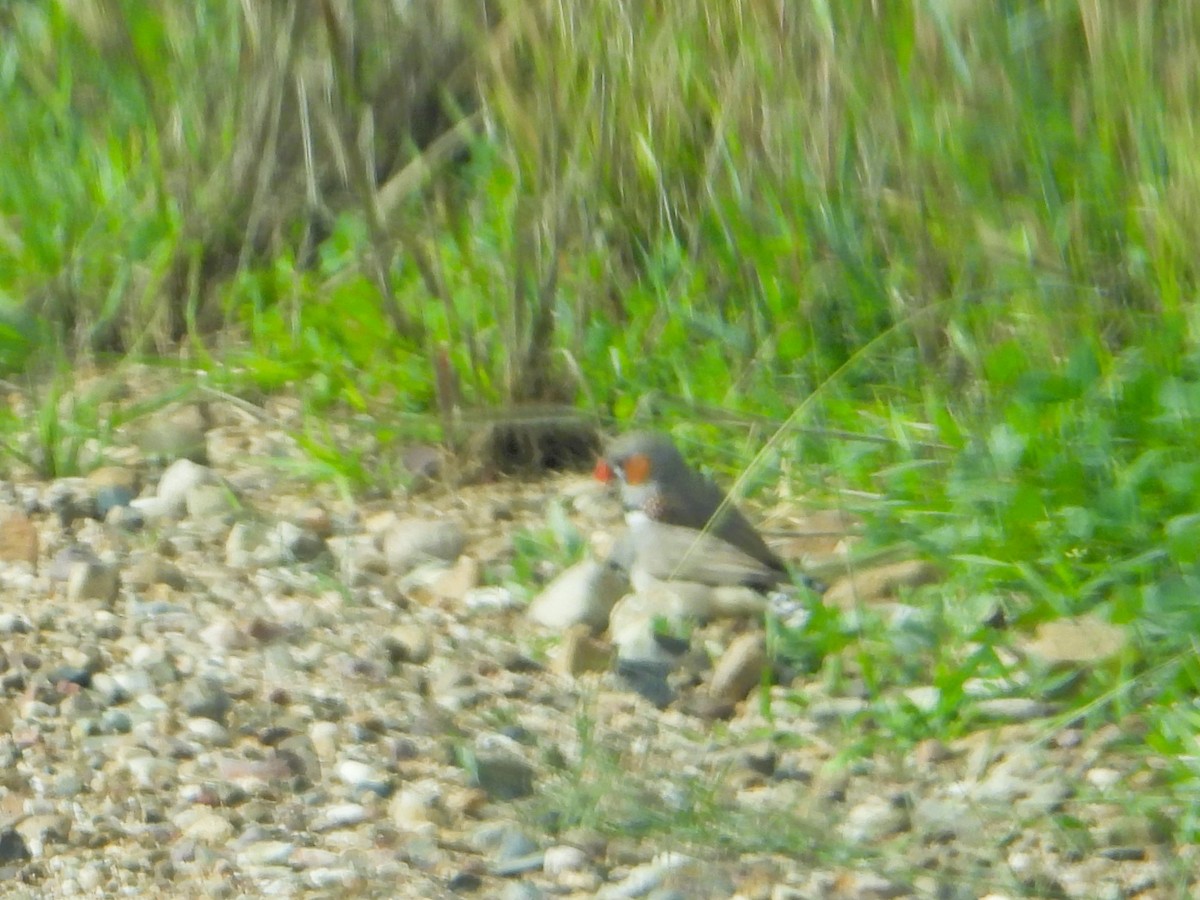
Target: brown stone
(740, 668)
(879, 583)
(18, 540)
(579, 652)
(819, 538)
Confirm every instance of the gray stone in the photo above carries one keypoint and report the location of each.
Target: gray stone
(205, 697)
(179, 479)
(583, 594)
(872, 820)
(93, 581)
(210, 501)
(501, 774)
(409, 543)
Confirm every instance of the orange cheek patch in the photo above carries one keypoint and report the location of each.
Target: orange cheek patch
(637, 468)
(603, 471)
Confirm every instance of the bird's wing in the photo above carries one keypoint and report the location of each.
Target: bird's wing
(677, 553)
(730, 525)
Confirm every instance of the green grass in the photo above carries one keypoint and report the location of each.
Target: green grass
(942, 256)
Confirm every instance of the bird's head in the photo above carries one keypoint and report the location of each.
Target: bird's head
(641, 464)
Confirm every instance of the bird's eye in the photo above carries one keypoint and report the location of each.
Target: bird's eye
(637, 468)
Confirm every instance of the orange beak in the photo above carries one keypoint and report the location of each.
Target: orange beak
(603, 471)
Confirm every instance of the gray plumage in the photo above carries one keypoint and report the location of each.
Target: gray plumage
(672, 493)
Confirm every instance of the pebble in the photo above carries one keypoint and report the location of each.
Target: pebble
(1103, 779)
(209, 501)
(181, 478)
(206, 827)
(872, 820)
(880, 583)
(562, 858)
(341, 815)
(583, 594)
(204, 697)
(740, 668)
(92, 581)
(18, 540)
(579, 653)
(266, 853)
(363, 776)
(409, 543)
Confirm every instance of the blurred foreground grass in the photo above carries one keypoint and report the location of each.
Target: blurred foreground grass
(968, 228)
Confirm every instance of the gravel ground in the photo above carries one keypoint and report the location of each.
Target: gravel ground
(221, 681)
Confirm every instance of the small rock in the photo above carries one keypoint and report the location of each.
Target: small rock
(325, 737)
(492, 598)
(66, 559)
(146, 509)
(151, 570)
(363, 776)
(176, 433)
(1102, 778)
(250, 545)
(940, 821)
(1014, 709)
(418, 806)
(647, 678)
(109, 499)
(636, 623)
(266, 853)
(300, 754)
(740, 668)
(13, 848)
(223, 636)
(409, 543)
(206, 827)
(18, 540)
(583, 594)
(456, 582)
(503, 840)
(341, 815)
(180, 479)
(501, 774)
(114, 476)
(563, 858)
(298, 543)
(38, 830)
(115, 721)
(1044, 799)
(113, 487)
(872, 820)
(930, 752)
(93, 581)
(870, 885)
(423, 461)
(211, 733)
(1076, 641)
(925, 697)
(71, 500)
(880, 583)
(641, 880)
(210, 501)
(408, 643)
(14, 623)
(206, 698)
(522, 890)
(357, 556)
(151, 772)
(579, 652)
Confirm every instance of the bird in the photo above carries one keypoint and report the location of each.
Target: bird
(680, 525)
